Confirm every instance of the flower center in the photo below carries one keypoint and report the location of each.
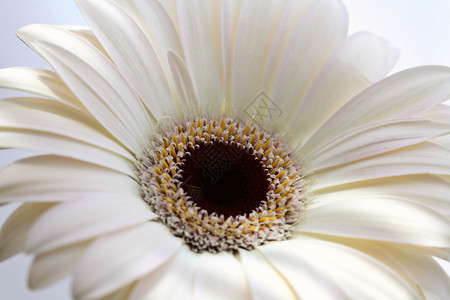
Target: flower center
(224, 178)
(222, 184)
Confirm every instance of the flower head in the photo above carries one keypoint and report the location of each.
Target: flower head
(226, 150)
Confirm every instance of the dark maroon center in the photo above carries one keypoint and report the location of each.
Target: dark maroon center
(224, 179)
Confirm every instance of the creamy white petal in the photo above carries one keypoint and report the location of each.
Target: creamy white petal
(292, 15)
(378, 218)
(184, 86)
(308, 282)
(85, 218)
(254, 34)
(15, 228)
(35, 114)
(374, 139)
(420, 270)
(401, 95)
(423, 158)
(357, 62)
(265, 283)
(95, 80)
(219, 276)
(86, 34)
(51, 178)
(155, 22)
(200, 36)
(171, 8)
(229, 15)
(427, 190)
(122, 294)
(132, 53)
(39, 82)
(118, 259)
(58, 145)
(172, 281)
(51, 266)
(357, 275)
(314, 39)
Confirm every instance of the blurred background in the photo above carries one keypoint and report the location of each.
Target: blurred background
(419, 29)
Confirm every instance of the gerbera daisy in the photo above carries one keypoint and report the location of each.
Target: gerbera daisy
(226, 150)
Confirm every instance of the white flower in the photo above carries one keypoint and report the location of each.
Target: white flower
(227, 150)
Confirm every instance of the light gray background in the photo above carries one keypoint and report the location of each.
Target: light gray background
(419, 29)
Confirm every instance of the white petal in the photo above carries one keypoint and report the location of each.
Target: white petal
(423, 158)
(359, 61)
(172, 281)
(116, 260)
(122, 294)
(400, 95)
(229, 15)
(428, 190)
(85, 218)
(316, 36)
(373, 139)
(356, 274)
(15, 229)
(39, 82)
(292, 15)
(256, 27)
(87, 35)
(51, 266)
(425, 272)
(58, 145)
(35, 114)
(200, 36)
(53, 179)
(132, 53)
(94, 80)
(155, 22)
(378, 218)
(220, 276)
(184, 86)
(264, 281)
(307, 282)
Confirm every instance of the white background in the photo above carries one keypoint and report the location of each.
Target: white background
(419, 29)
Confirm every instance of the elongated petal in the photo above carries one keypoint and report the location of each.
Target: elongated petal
(359, 61)
(264, 281)
(122, 294)
(401, 95)
(15, 229)
(116, 260)
(379, 218)
(229, 15)
(200, 36)
(159, 284)
(58, 145)
(51, 266)
(292, 16)
(254, 33)
(50, 178)
(85, 218)
(357, 275)
(86, 34)
(155, 22)
(423, 158)
(132, 53)
(316, 36)
(35, 114)
(307, 282)
(184, 86)
(373, 139)
(39, 82)
(427, 190)
(94, 80)
(229, 283)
